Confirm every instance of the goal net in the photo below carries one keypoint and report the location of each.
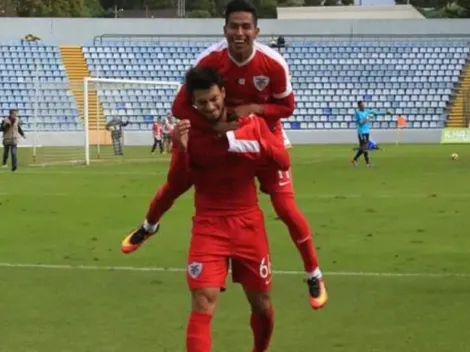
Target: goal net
(55, 131)
(120, 114)
(78, 122)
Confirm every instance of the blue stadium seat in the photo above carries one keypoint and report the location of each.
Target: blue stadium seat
(415, 78)
(39, 103)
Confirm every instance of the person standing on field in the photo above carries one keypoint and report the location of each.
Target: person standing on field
(11, 134)
(157, 135)
(115, 126)
(167, 128)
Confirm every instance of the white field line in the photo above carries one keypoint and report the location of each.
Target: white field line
(83, 174)
(339, 197)
(179, 270)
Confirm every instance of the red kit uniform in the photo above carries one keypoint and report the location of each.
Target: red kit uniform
(157, 131)
(263, 79)
(228, 223)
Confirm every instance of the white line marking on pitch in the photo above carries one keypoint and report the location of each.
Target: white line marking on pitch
(82, 174)
(338, 197)
(173, 270)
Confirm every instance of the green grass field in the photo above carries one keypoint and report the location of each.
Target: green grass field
(393, 240)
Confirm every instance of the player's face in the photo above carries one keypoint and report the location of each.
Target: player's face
(240, 32)
(361, 106)
(210, 102)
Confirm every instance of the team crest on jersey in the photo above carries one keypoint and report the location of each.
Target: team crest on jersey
(194, 269)
(260, 82)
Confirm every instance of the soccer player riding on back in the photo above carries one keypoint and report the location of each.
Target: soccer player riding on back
(257, 80)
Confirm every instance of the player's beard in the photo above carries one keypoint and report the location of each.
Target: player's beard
(217, 119)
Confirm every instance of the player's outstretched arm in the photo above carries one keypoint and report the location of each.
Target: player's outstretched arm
(281, 108)
(255, 141)
(273, 112)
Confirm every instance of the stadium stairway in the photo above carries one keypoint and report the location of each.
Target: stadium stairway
(456, 114)
(77, 70)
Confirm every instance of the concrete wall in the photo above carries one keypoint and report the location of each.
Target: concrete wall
(82, 30)
(60, 139)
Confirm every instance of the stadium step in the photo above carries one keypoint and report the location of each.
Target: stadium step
(461, 103)
(77, 69)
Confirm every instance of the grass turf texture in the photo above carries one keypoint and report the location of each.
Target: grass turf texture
(409, 214)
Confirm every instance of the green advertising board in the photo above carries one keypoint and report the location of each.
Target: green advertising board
(455, 135)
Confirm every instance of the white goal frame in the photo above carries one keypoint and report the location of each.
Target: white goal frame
(86, 87)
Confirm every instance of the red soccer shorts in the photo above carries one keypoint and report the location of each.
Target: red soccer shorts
(239, 240)
(273, 180)
(270, 178)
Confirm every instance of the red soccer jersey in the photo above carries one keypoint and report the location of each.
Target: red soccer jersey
(223, 169)
(157, 130)
(263, 79)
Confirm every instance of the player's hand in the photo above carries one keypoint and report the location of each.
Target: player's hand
(181, 133)
(246, 110)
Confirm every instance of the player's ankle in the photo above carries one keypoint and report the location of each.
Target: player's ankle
(315, 274)
(149, 226)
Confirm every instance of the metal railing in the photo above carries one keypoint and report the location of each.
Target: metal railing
(464, 38)
(466, 107)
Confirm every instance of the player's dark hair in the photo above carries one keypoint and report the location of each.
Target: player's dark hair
(202, 78)
(359, 102)
(240, 6)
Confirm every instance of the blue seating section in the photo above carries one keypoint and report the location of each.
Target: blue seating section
(411, 78)
(414, 79)
(33, 78)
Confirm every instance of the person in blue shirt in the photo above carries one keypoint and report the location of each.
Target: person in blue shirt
(362, 117)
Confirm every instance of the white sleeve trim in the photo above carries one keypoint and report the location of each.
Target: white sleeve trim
(279, 60)
(241, 145)
(286, 93)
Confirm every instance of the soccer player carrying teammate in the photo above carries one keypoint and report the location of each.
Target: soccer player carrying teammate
(257, 80)
(362, 117)
(228, 226)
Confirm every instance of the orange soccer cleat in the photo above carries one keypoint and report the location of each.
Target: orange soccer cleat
(135, 239)
(317, 291)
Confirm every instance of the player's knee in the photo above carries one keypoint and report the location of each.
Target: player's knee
(260, 302)
(204, 300)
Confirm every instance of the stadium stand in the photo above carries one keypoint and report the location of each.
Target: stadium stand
(24, 63)
(412, 78)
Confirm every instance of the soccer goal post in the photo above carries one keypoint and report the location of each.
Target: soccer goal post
(119, 114)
